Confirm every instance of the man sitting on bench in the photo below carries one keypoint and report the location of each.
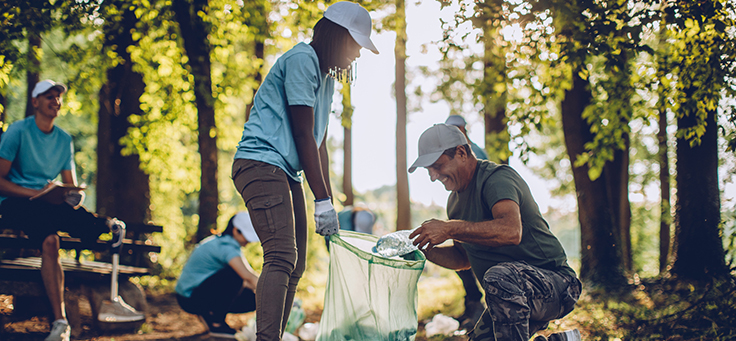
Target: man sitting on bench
(33, 152)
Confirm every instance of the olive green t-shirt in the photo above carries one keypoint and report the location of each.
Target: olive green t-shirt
(490, 184)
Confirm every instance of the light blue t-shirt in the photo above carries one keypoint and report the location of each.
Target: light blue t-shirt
(209, 256)
(36, 157)
(295, 79)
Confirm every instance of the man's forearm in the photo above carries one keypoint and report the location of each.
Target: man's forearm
(447, 257)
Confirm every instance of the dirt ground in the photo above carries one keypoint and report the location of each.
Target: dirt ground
(164, 321)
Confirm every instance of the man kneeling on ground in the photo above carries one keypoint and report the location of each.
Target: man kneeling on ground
(498, 232)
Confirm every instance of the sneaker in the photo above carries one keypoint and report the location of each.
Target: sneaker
(119, 311)
(60, 331)
(219, 329)
(117, 229)
(222, 331)
(568, 335)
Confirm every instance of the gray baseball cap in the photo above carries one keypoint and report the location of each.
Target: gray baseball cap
(455, 120)
(434, 141)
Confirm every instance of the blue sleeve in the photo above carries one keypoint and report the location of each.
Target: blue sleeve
(229, 251)
(10, 143)
(301, 80)
(69, 165)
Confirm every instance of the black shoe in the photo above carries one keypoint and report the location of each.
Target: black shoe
(219, 329)
(222, 331)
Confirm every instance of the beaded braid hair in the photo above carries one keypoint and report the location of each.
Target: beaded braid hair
(329, 41)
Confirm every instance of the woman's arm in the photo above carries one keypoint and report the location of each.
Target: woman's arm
(302, 127)
(243, 269)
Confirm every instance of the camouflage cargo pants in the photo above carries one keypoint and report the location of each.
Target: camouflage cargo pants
(521, 300)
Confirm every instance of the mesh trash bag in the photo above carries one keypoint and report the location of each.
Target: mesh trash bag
(369, 297)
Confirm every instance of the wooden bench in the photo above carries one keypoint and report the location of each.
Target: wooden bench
(20, 274)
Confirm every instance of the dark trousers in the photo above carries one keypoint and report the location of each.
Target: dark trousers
(39, 219)
(522, 299)
(277, 207)
(472, 293)
(218, 295)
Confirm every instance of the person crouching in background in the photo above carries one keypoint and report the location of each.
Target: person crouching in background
(217, 279)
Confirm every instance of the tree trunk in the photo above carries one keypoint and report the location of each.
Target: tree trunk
(259, 23)
(194, 32)
(601, 259)
(698, 248)
(616, 174)
(347, 147)
(123, 189)
(665, 218)
(403, 214)
(258, 53)
(33, 69)
(494, 74)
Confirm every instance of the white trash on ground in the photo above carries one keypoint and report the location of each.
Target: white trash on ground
(308, 331)
(441, 324)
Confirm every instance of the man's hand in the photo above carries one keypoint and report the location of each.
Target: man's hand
(325, 217)
(431, 233)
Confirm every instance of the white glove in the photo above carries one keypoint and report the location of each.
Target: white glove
(325, 217)
(74, 198)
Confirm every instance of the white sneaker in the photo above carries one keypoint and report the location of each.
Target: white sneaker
(60, 331)
(119, 312)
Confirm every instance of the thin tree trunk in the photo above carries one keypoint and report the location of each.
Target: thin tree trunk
(616, 174)
(194, 32)
(259, 48)
(403, 215)
(123, 189)
(601, 259)
(494, 65)
(33, 69)
(665, 219)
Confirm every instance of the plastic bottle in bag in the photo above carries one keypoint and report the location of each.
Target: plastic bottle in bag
(395, 244)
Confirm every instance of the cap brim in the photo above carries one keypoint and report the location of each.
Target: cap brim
(425, 160)
(364, 41)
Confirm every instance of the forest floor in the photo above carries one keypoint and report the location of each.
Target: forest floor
(651, 310)
(164, 321)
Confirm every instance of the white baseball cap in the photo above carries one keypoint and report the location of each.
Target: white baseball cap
(242, 222)
(355, 19)
(45, 85)
(434, 141)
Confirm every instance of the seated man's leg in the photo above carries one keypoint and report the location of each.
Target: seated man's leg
(53, 275)
(520, 296)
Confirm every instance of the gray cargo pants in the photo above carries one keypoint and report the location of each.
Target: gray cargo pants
(522, 299)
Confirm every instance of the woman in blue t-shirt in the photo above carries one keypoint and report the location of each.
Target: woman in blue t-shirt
(217, 279)
(285, 134)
